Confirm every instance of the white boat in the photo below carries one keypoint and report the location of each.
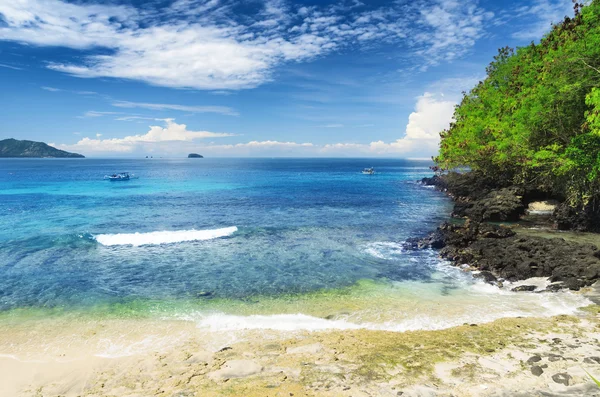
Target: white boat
(369, 171)
(121, 176)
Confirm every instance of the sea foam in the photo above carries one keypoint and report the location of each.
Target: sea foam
(531, 305)
(164, 237)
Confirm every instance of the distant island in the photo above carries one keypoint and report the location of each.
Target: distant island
(15, 148)
(195, 156)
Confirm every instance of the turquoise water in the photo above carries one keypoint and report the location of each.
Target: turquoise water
(257, 236)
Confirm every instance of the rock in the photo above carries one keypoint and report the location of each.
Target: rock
(204, 294)
(236, 369)
(592, 360)
(524, 288)
(537, 370)
(563, 378)
(554, 357)
(488, 277)
(582, 218)
(534, 359)
(498, 206)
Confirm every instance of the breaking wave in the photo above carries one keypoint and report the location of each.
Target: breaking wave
(164, 237)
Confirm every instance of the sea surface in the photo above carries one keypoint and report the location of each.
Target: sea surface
(233, 244)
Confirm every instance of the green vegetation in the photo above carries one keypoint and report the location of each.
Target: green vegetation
(536, 117)
(15, 148)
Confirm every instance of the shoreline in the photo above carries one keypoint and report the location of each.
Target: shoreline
(175, 358)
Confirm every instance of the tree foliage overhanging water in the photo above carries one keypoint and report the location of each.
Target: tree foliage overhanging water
(536, 116)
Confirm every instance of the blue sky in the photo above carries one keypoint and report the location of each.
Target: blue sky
(250, 77)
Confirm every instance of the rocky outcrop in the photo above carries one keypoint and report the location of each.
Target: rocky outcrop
(480, 198)
(195, 156)
(504, 254)
(583, 219)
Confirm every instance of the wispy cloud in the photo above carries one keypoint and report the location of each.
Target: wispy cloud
(185, 108)
(2, 65)
(209, 45)
(93, 113)
(540, 15)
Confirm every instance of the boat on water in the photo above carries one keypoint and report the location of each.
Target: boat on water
(121, 176)
(369, 171)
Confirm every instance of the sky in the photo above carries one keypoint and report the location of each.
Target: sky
(253, 78)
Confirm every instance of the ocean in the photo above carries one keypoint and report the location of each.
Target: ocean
(237, 244)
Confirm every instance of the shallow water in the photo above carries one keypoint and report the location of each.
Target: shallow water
(237, 244)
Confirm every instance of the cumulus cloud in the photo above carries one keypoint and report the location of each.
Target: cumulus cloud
(157, 137)
(208, 45)
(432, 114)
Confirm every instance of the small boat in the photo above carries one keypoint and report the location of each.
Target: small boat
(369, 171)
(121, 176)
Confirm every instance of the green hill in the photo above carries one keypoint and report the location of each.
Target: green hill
(535, 118)
(16, 148)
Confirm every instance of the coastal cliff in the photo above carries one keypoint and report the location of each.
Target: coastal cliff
(534, 123)
(530, 135)
(30, 149)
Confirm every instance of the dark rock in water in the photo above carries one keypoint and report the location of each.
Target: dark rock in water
(501, 253)
(537, 370)
(524, 288)
(563, 378)
(555, 357)
(204, 294)
(488, 277)
(195, 156)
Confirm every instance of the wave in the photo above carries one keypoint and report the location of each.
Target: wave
(385, 250)
(544, 304)
(164, 237)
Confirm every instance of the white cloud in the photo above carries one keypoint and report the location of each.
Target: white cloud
(157, 137)
(432, 114)
(208, 45)
(544, 14)
(93, 113)
(51, 89)
(2, 65)
(185, 108)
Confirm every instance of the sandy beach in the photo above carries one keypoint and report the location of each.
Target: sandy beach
(137, 357)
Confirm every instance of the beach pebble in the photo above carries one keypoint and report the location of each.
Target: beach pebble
(537, 370)
(592, 360)
(534, 359)
(562, 378)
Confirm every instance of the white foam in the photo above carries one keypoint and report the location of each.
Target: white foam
(507, 304)
(384, 250)
(164, 237)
